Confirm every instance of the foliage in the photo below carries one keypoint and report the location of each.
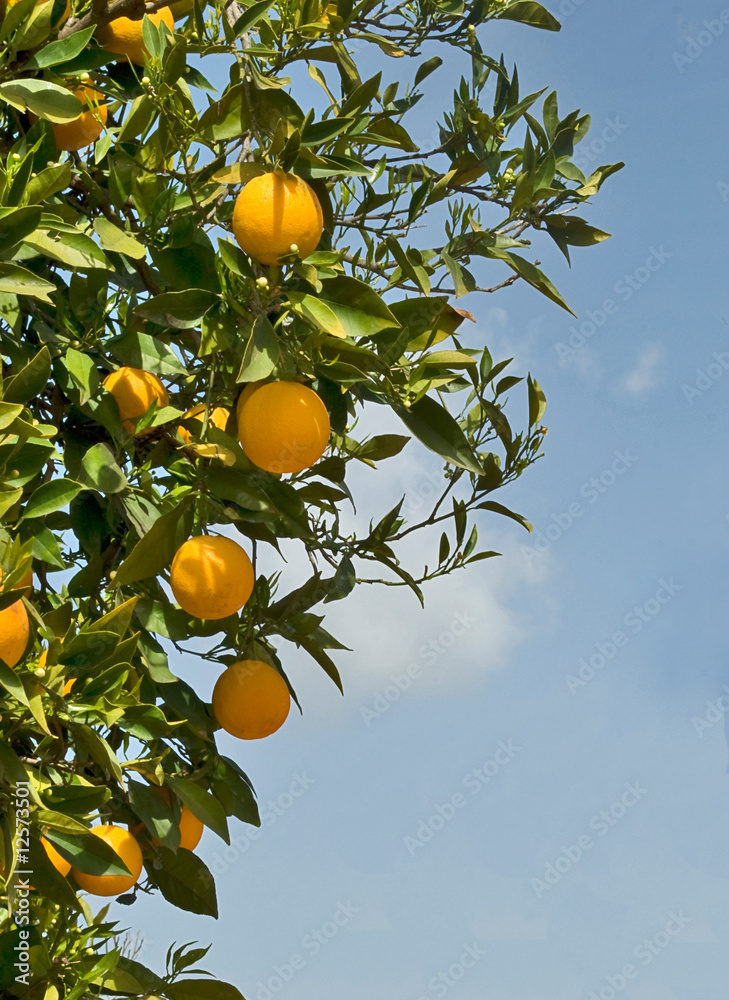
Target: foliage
(122, 256)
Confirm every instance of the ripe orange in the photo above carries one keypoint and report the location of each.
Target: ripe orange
(275, 211)
(124, 36)
(211, 577)
(14, 633)
(218, 418)
(60, 864)
(134, 391)
(128, 850)
(87, 128)
(283, 427)
(251, 700)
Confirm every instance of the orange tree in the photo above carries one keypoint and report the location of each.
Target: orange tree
(201, 291)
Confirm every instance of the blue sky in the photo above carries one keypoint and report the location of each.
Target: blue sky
(541, 838)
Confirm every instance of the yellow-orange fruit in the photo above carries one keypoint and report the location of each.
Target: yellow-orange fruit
(134, 391)
(211, 577)
(218, 418)
(274, 212)
(14, 633)
(87, 128)
(60, 864)
(123, 36)
(283, 427)
(251, 700)
(121, 841)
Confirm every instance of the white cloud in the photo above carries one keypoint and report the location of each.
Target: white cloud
(644, 375)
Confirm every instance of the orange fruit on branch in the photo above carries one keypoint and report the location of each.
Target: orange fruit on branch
(123, 36)
(274, 212)
(87, 128)
(283, 427)
(251, 700)
(134, 391)
(14, 633)
(121, 841)
(211, 577)
(218, 417)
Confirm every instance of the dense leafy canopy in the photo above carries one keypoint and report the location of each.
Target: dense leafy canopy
(121, 255)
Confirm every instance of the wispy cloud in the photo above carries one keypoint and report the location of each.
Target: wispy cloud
(645, 374)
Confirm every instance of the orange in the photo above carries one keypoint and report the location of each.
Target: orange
(134, 391)
(60, 864)
(251, 700)
(275, 211)
(283, 427)
(124, 36)
(14, 633)
(218, 418)
(87, 128)
(211, 577)
(128, 850)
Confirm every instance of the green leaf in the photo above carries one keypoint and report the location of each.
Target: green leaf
(181, 310)
(47, 880)
(48, 182)
(114, 239)
(438, 431)
(73, 249)
(155, 550)
(31, 381)
(425, 69)
(202, 989)
(131, 976)
(149, 804)
(351, 308)
(12, 771)
(100, 751)
(185, 881)
(41, 98)
(498, 508)
(16, 224)
(83, 373)
(536, 278)
(537, 401)
(61, 52)
(344, 580)
(88, 853)
(381, 446)
(463, 280)
(16, 280)
(528, 12)
(117, 620)
(100, 471)
(202, 803)
(261, 354)
(50, 497)
(251, 16)
(139, 350)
